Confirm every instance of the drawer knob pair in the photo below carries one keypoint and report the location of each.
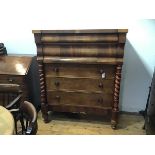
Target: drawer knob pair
(100, 85)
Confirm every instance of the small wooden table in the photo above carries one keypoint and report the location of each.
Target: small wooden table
(15, 70)
(6, 122)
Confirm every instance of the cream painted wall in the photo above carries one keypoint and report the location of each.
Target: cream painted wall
(16, 32)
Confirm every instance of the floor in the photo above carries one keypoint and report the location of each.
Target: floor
(74, 124)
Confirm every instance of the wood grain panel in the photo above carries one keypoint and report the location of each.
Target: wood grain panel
(83, 60)
(52, 38)
(103, 50)
(87, 31)
(78, 70)
(75, 98)
(14, 65)
(90, 85)
(11, 79)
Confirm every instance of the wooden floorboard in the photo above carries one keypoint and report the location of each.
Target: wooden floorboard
(64, 124)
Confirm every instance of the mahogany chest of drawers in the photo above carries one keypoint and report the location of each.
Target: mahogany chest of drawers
(80, 70)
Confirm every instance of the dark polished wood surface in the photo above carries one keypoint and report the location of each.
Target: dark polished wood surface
(61, 83)
(80, 98)
(82, 31)
(14, 65)
(86, 50)
(15, 70)
(80, 70)
(84, 60)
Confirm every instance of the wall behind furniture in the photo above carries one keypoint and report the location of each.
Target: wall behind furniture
(24, 16)
(139, 65)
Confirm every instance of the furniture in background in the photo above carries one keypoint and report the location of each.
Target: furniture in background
(10, 98)
(6, 122)
(24, 113)
(80, 70)
(26, 119)
(3, 50)
(15, 70)
(9, 93)
(150, 110)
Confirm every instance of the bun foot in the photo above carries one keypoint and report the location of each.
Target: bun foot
(46, 118)
(113, 125)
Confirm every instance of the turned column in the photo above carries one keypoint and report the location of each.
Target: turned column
(115, 108)
(44, 106)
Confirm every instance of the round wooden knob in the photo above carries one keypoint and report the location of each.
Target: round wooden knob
(57, 97)
(101, 71)
(100, 85)
(57, 83)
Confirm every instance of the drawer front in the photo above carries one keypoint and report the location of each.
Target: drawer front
(89, 85)
(76, 98)
(14, 80)
(78, 38)
(11, 79)
(78, 70)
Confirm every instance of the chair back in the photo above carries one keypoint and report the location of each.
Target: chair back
(24, 113)
(28, 118)
(10, 98)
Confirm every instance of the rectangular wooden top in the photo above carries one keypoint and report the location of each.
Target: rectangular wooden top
(83, 31)
(14, 65)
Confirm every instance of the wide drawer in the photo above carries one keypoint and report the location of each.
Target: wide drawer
(88, 85)
(78, 70)
(78, 98)
(79, 38)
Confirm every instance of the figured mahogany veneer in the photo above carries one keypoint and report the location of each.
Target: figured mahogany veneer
(80, 70)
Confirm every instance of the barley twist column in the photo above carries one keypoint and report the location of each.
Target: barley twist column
(43, 93)
(115, 108)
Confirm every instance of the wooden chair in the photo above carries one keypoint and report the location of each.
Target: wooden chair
(24, 112)
(10, 98)
(26, 115)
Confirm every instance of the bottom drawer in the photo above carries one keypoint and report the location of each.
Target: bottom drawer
(78, 99)
(82, 109)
